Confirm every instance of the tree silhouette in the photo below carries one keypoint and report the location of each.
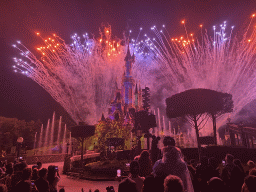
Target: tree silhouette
(198, 104)
(219, 104)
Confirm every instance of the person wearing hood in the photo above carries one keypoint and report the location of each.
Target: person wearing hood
(173, 163)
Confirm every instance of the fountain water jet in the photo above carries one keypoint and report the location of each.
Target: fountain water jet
(59, 131)
(64, 144)
(46, 137)
(40, 137)
(52, 132)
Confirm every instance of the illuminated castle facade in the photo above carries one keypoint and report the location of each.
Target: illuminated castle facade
(129, 97)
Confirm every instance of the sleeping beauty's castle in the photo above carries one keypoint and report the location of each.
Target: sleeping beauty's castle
(128, 98)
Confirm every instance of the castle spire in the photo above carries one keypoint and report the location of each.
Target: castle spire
(128, 54)
(103, 118)
(116, 85)
(136, 89)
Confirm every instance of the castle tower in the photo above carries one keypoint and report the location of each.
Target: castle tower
(140, 98)
(128, 82)
(136, 98)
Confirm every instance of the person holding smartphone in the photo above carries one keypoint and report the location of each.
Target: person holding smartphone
(25, 185)
(42, 184)
(53, 178)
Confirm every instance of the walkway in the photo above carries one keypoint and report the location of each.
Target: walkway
(75, 185)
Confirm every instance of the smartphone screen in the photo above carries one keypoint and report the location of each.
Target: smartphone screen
(223, 162)
(118, 173)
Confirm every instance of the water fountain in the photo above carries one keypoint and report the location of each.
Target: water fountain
(48, 134)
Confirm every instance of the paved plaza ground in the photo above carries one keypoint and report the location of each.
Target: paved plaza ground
(75, 185)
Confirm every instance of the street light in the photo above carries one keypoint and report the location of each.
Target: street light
(19, 143)
(139, 135)
(67, 147)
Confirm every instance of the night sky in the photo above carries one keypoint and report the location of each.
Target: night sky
(19, 20)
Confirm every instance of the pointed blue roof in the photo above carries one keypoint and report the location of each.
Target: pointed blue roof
(128, 54)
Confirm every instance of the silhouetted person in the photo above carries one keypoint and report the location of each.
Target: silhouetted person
(145, 164)
(192, 171)
(174, 164)
(251, 165)
(252, 172)
(231, 174)
(216, 184)
(9, 173)
(155, 151)
(203, 173)
(173, 183)
(150, 184)
(3, 188)
(16, 176)
(25, 184)
(134, 175)
(42, 184)
(240, 174)
(249, 184)
(53, 178)
(34, 174)
(39, 165)
(127, 185)
(214, 167)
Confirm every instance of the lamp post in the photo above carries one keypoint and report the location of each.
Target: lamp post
(139, 135)
(19, 143)
(67, 147)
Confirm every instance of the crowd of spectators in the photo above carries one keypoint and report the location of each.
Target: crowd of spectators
(165, 170)
(17, 177)
(158, 170)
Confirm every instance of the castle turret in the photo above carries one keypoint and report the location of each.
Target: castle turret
(128, 82)
(140, 97)
(136, 98)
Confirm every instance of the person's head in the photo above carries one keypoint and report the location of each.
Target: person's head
(3, 188)
(39, 165)
(144, 154)
(252, 172)
(237, 162)
(213, 162)
(34, 173)
(62, 190)
(193, 162)
(250, 182)
(204, 160)
(134, 168)
(251, 164)
(229, 158)
(43, 173)
(173, 183)
(51, 170)
(168, 141)
(23, 165)
(26, 174)
(216, 184)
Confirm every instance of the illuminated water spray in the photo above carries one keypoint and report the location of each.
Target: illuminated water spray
(82, 76)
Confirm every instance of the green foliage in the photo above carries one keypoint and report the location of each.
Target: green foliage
(108, 164)
(110, 129)
(12, 128)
